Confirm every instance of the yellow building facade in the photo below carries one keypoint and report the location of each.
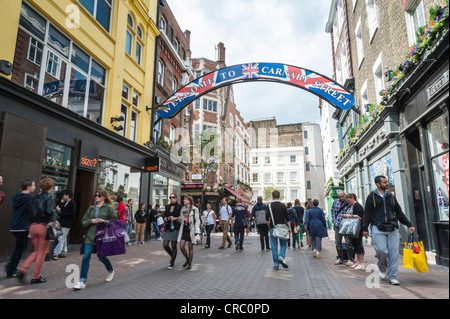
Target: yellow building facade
(94, 57)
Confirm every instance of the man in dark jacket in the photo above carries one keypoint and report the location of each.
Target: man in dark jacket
(259, 214)
(19, 224)
(280, 216)
(66, 214)
(383, 213)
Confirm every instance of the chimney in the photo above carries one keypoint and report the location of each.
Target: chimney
(187, 35)
(221, 50)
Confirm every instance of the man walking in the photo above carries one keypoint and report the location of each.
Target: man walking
(280, 216)
(383, 213)
(339, 207)
(240, 214)
(259, 213)
(225, 217)
(19, 224)
(66, 214)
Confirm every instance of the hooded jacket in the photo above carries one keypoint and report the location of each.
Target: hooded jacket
(259, 213)
(19, 218)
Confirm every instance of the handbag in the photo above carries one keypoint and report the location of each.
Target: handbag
(160, 221)
(350, 227)
(53, 231)
(280, 231)
(110, 239)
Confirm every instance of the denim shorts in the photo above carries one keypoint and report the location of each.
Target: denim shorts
(358, 246)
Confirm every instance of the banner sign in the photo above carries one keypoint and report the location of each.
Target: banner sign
(305, 79)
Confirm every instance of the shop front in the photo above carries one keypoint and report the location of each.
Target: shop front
(42, 139)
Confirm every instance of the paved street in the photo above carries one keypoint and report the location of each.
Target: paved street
(227, 274)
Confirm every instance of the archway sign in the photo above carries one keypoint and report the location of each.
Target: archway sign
(302, 78)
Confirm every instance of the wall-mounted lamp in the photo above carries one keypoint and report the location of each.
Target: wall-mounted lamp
(367, 107)
(6, 67)
(118, 128)
(117, 119)
(388, 75)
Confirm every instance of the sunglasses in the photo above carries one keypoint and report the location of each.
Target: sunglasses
(172, 197)
(98, 195)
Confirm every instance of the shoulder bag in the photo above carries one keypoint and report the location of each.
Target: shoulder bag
(280, 231)
(350, 227)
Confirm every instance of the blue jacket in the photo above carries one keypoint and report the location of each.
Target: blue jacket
(19, 217)
(240, 212)
(259, 213)
(316, 223)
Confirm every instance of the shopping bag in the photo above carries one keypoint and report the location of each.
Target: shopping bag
(408, 253)
(350, 227)
(110, 239)
(420, 258)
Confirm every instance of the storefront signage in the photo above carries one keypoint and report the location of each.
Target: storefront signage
(438, 85)
(88, 156)
(445, 160)
(152, 164)
(302, 78)
(191, 186)
(374, 141)
(196, 176)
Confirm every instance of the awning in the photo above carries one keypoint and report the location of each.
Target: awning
(237, 195)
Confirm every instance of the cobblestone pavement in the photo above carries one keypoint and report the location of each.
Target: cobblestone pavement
(228, 275)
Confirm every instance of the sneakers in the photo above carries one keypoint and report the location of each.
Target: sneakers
(382, 275)
(40, 280)
(394, 282)
(110, 276)
(350, 263)
(338, 261)
(283, 262)
(79, 286)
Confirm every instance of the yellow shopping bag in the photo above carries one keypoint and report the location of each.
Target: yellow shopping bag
(420, 259)
(408, 253)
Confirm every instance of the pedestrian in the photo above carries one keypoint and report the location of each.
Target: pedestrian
(356, 211)
(171, 228)
(225, 217)
(280, 216)
(189, 230)
(141, 221)
(67, 210)
(259, 214)
(209, 222)
(239, 223)
(153, 218)
(339, 206)
(129, 218)
(19, 224)
(299, 212)
(317, 226)
(2, 194)
(120, 210)
(308, 205)
(42, 211)
(382, 212)
(102, 212)
(294, 223)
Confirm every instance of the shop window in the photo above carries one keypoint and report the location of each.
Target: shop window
(383, 166)
(56, 165)
(100, 10)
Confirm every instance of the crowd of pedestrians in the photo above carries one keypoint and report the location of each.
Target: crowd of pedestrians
(181, 225)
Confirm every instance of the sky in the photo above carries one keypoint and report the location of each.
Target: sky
(284, 31)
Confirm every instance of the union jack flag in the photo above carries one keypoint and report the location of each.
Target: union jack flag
(250, 71)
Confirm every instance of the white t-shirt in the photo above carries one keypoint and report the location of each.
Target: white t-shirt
(210, 220)
(225, 212)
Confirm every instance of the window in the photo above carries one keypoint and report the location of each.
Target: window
(255, 160)
(53, 65)
(364, 96)
(138, 57)
(162, 25)
(31, 82)
(305, 134)
(359, 43)
(344, 60)
(306, 150)
(160, 78)
(378, 77)
(415, 18)
(129, 42)
(174, 85)
(35, 51)
(308, 185)
(133, 126)
(125, 92)
(136, 99)
(100, 10)
(294, 177)
(255, 178)
(308, 167)
(280, 177)
(372, 17)
(267, 160)
(267, 177)
(293, 159)
(124, 114)
(294, 194)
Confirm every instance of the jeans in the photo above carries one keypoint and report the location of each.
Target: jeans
(88, 248)
(274, 243)
(128, 228)
(264, 235)
(239, 233)
(21, 245)
(387, 247)
(157, 231)
(316, 243)
(208, 229)
(62, 242)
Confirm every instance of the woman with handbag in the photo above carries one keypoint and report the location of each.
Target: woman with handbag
(209, 222)
(317, 226)
(100, 213)
(189, 229)
(171, 228)
(42, 212)
(356, 211)
(141, 221)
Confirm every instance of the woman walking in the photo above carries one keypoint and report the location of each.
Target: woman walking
(209, 223)
(317, 227)
(171, 228)
(299, 212)
(42, 212)
(190, 228)
(100, 213)
(356, 211)
(141, 221)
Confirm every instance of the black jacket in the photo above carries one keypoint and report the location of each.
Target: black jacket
(381, 211)
(141, 216)
(176, 213)
(67, 214)
(42, 209)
